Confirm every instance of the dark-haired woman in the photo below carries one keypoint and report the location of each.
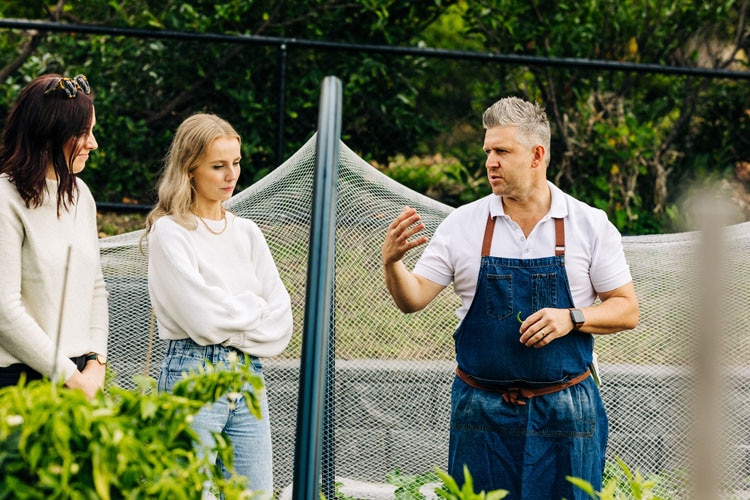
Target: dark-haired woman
(53, 300)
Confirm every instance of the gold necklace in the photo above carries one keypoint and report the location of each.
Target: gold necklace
(223, 216)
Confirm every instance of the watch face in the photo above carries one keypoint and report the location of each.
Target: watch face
(577, 316)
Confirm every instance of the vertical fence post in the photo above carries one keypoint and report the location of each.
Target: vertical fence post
(712, 214)
(281, 104)
(328, 459)
(319, 296)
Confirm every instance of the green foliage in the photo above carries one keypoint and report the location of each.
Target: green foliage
(625, 485)
(620, 484)
(451, 491)
(624, 141)
(146, 86)
(442, 178)
(337, 495)
(407, 485)
(124, 444)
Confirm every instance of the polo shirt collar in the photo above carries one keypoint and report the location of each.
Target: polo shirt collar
(558, 208)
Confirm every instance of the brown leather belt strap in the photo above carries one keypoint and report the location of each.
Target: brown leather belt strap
(489, 230)
(519, 395)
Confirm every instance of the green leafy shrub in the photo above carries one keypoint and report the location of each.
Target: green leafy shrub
(123, 444)
(442, 178)
(408, 485)
(626, 485)
(451, 491)
(620, 483)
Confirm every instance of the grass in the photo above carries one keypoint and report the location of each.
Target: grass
(114, 223)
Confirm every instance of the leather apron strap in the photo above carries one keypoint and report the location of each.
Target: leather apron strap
(489, 230)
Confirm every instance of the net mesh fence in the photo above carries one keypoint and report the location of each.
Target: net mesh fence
(392, 371)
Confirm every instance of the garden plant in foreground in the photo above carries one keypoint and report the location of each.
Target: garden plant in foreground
(139, 444)
(123, 444)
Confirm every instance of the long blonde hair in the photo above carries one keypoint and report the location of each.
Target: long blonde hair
(190, 144)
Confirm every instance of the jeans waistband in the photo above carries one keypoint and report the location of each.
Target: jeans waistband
(215, 353)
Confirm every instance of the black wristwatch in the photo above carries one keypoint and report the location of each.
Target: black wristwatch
(100, 358)
(576, 315)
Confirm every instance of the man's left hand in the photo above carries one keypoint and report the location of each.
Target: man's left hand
(544, 326)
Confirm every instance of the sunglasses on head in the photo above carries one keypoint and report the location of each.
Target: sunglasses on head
(70, 86)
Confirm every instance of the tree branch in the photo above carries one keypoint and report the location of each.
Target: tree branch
(27, 48)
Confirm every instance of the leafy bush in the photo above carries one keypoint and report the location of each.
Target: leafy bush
(627, 484)
(620, 483)
(124, 444)
(443, 178)
(408, 485)
(451, 491)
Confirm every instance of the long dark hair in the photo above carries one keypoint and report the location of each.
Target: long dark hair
(38, 126)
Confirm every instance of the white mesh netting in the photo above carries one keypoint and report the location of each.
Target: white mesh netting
(393, 371)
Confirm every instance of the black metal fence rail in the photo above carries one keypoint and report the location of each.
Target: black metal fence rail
(285, 44)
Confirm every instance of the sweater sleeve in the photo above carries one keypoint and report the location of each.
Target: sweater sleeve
(184, 304)
(99, 330)
(21, 336)
(271, 335)
(99, 325)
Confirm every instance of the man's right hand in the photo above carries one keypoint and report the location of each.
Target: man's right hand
(397, 242)
(410, 292)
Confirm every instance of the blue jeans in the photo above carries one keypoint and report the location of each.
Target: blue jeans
(250, 437)
(528, 450)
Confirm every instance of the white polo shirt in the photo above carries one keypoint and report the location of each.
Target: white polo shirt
(594, 257)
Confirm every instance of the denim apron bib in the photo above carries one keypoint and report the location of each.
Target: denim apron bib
(526, 448)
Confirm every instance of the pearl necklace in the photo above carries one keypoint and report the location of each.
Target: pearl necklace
(223, 217)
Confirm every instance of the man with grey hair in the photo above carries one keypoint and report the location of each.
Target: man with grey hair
(528, 262)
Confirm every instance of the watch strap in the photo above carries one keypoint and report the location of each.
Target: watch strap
(93, 356)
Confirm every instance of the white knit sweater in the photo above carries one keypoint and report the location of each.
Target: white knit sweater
(33, 251)
(218, 288)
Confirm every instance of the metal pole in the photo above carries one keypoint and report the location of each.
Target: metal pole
(318, 303)
(281, 105)
(712, 215)
(328, 460)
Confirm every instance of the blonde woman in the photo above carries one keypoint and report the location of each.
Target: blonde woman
(214, 286)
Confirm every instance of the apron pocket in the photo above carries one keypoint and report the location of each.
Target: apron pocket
(499, 295)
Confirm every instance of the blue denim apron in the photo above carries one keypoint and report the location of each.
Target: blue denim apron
(527, 449)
